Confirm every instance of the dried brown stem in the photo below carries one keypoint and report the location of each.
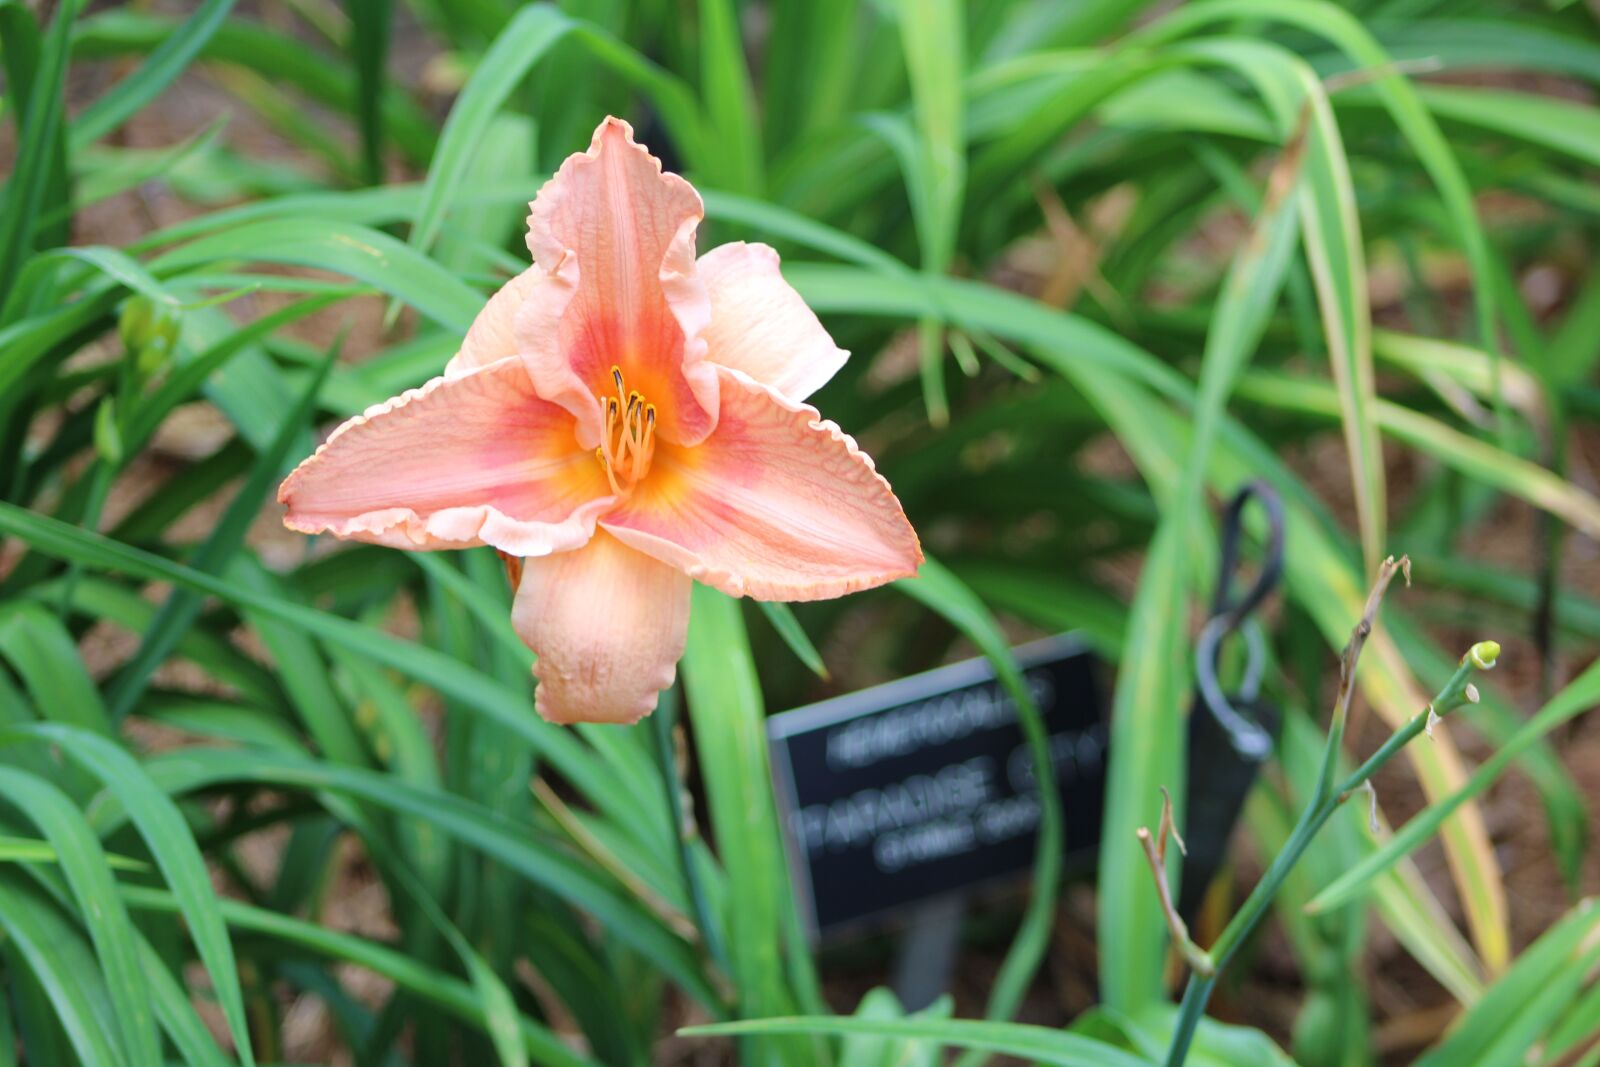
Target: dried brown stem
(1358, 636)
(1352, 79)
(1155, 850)
(1169, 825)
(1197, 957)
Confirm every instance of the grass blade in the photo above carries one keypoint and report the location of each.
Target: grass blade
(369, 46)
(45, 656)
(495, 835)
(38, 152)
(730, 99)
(161, 825)
(932, 36)
(1477, 459)
(172, 1006)
(278, 60)
(182, 606)
(524, 41)
(444, 990)
(1036, 1044)
(1400, 99)
(1333, 247)
(443, 673)
(63, 967)
(937, 588)
(781, 616)
(1528, 999)
(88, 872)
(726, 714)
(124, 99)
(362, 253)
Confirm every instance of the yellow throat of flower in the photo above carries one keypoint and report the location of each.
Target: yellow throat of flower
(630, 436)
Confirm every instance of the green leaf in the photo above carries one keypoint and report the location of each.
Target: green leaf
(935, 587)
(161, 826)
(1186, 100)
(1215, 1044)
(46, 658)
(106, 172)
(778, 221)
(125, 608)
(186, 379)
(1400, 99)
(1579, 1026)
(1036, 1044)
(182, 606)
(525, 40)
(124, 99)
(369, 47)
(726, 714)
(1527, 999)
(871, 1050)
(533, 857)
(730, 98)
(1325, 198)
(345, 248)
(63, 967)
(117, 266)
(446, 674)
(38, 149)
(437, 987)
(178, 1018)
(1559, 125)
(1477, 459)
(781, 616)
(28, 850)
(931, 35)
(88, 872)
(281, 59)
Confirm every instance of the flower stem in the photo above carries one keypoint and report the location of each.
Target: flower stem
(1326, 799)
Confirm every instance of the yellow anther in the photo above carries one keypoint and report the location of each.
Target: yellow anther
(628, 443)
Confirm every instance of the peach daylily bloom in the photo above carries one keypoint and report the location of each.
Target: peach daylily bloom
(621, 418)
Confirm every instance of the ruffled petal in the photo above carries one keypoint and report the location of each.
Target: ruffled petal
(761, 326)
(470, 460)
(492, 336)
(776, 504)
(608, 625)
(616, 237)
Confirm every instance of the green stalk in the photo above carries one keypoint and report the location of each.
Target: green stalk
(1326, 799)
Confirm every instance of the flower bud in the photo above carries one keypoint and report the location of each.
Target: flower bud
(107, 434)
(135, 322)
(149, 331)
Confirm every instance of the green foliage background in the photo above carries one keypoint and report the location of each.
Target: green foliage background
(1213, 188)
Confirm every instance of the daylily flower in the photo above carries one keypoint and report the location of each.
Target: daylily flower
(621, 418)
